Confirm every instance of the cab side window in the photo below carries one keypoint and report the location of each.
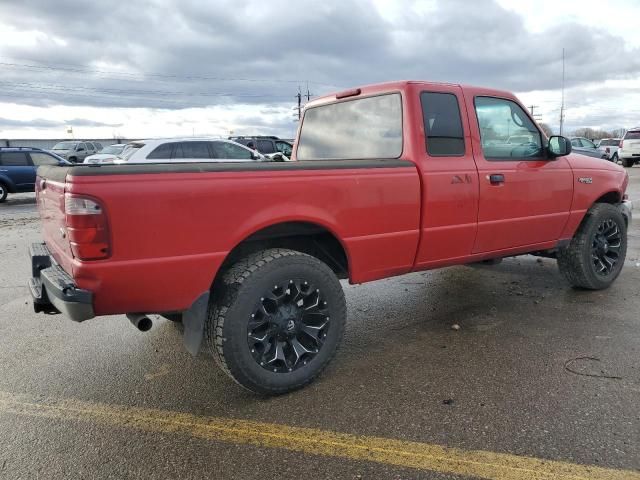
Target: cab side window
(442, 124)
(506, 131)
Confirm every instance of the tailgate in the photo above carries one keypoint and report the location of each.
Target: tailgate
(50, 189)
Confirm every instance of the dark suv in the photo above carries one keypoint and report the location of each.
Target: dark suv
(18, 167)
(266, 145)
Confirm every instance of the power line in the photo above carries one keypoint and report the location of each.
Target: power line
(115, 91)
(136, 75)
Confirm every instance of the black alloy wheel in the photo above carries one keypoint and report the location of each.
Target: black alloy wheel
(288, 326)
(605, 247)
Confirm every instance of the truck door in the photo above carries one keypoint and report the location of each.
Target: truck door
(525, 197)
(449, 177)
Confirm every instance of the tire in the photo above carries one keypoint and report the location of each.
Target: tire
(614, 159)
(261, 314)
(73, 159)
(583, 260)
(3, 192)
(627, 162)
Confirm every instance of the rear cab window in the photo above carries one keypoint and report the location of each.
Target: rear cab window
(359, 128)
(632, 135)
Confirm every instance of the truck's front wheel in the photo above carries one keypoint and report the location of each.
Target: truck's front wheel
(276, 320)
(595, 256)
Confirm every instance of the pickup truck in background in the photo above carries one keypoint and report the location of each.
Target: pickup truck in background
(385, 180)
(610, 146)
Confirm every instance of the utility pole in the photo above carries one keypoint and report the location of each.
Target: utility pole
(562, 104)
(308, 94)
(536, 116)
(299, 107)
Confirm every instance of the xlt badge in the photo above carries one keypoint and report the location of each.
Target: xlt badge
(585, 180)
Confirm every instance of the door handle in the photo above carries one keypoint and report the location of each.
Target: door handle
(496, 178)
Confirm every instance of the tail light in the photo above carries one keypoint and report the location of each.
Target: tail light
(87, 227)
(608, 150)
(621, 143)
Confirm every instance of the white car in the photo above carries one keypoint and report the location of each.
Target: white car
(188, 149)
(107, 155)
(610, 147)
(629, 151)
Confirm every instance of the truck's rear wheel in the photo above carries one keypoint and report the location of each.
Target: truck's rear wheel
(3, 192)
(277, 321)
(595, 256)
(627, 162)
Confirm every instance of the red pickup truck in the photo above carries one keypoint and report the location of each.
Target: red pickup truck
(385, 180)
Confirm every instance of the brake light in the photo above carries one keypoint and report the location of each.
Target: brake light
(87, 228)
(608, 150)
(621, 143)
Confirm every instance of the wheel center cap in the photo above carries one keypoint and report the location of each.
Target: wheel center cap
(291, 325)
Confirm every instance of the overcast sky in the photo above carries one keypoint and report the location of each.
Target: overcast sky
(167, 68)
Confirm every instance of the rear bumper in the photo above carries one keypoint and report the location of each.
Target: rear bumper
(53, 290)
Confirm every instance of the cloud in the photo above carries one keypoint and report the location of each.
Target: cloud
(174, 55)
(45, 123)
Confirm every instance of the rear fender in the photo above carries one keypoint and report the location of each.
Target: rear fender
(11, 187)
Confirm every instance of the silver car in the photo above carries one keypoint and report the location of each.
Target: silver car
(587, 147)
(73, 150)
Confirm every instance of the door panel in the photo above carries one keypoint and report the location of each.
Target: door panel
(530, 206)
(525, 198)
(450, 186)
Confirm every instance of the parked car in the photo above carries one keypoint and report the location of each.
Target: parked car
(249, 255)
(266, 145)
(610, 147)
(73, 150)
(18, 167)
(190, 149)
(587, 147)
(107, 155)
(629, 151)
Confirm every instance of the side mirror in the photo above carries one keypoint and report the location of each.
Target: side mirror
(558, 146)
(255, 156)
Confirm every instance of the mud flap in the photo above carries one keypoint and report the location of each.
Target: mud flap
(193, 321)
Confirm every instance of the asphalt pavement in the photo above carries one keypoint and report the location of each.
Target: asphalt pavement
(540, 381)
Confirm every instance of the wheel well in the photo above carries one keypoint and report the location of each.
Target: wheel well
(7, 186)
(611, 197)
(303, 237)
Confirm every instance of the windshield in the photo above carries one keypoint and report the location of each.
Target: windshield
(113, 149)
(64, 146)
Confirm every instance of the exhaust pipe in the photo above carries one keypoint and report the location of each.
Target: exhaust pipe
(140, 321)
